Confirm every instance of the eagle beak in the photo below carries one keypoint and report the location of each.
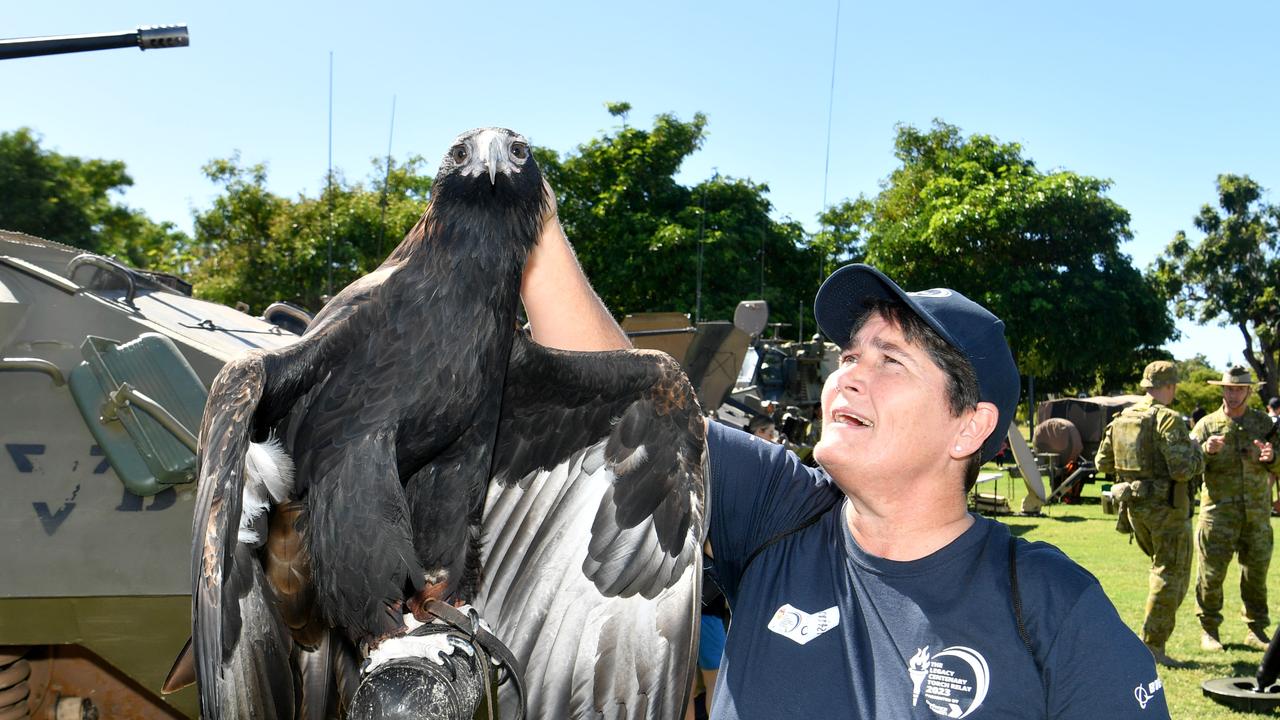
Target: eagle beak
(495, 157)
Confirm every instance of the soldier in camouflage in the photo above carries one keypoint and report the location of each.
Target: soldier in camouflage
(1147, 449)
(1235, 509)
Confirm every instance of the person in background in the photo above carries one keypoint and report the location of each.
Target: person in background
(1273, 410)
(763, 428)
(1235, 509)
(1147, 448)
(711, 633)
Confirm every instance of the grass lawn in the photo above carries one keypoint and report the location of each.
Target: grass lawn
(1089, 537)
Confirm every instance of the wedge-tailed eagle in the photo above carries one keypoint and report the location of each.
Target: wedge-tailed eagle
(438, 453)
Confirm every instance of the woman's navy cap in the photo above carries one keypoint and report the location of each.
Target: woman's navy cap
(962, 323)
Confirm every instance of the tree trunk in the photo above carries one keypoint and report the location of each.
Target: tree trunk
(1263, 362)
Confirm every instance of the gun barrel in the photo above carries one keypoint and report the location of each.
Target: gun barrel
(144, 38)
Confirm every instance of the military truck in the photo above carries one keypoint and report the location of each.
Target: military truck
(745, 369)
(711, 354)
(104, 370)
(1067, 437)
(784, 378)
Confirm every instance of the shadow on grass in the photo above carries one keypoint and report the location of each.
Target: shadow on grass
(1067, 518)
(1050, 516)
(1241, 668)
(1032, 521)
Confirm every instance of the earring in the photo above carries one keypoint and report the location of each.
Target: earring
(957, 447)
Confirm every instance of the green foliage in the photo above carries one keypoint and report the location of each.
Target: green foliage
(68, 200)
(256, 247)
(1232, 276)
(841, 238)
(1193, 388)
(638, 232)
(1041, 250)
(618, 109)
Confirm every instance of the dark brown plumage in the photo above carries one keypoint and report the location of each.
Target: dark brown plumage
(408, 393)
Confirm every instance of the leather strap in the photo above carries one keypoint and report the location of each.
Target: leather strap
(469, 625)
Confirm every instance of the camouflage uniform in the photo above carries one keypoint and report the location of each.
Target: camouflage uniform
(1157, 503)
(1235, 517)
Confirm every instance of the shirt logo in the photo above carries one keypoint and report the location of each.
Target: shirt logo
(954, 681)
(801, 626)
(1144, 693)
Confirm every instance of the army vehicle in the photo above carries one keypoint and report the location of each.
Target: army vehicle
(93, 568)
(711, 354)
(1067, 437)
(784, 380)
(740, 373)
(104, 371)
(144, 38)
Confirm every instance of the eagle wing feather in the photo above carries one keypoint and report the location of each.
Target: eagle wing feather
(592, 529)
(236, 679)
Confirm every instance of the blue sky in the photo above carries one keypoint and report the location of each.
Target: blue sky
(1159, 97)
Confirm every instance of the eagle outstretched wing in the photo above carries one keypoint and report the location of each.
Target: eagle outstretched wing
(237, 679)
(593, 530)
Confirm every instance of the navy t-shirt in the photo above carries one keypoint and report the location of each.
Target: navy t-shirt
(821, 628)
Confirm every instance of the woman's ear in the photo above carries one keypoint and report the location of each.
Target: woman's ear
(978, 425)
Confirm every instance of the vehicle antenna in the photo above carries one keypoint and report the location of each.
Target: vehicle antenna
(382, 229)
(831, 101)
(764, 231)
(328, 287)
(702, 213)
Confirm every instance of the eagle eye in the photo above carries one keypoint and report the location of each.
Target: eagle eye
(458, 153)
(519, 150)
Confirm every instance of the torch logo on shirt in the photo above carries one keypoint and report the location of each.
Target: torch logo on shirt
(954, 681)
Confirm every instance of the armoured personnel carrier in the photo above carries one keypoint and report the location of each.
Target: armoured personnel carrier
(740, 373)
(103, 376)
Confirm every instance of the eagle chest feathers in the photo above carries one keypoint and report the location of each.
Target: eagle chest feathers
(440, 454)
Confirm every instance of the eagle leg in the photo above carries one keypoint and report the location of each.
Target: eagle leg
(360, 540)
(446, 501)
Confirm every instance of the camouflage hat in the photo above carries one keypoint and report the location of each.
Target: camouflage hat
(1237, 376)
(1160, 372)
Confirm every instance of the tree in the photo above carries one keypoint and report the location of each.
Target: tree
(1041, 250)
(745, 254)
(1231, 276)
(840, 237)
(256, 247)
(1193, 387)
(639, 233)
(69, 200)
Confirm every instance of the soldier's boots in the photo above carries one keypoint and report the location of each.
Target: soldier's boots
(1209, 641)
(1257, 638)
(1163, 659)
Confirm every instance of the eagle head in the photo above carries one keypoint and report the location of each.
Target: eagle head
(490, 173)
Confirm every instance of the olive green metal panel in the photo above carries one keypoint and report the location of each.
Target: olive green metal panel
(139, 636)
(84, 559)
(69, 527)
(146, 456)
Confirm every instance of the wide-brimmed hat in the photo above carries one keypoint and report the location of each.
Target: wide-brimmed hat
(963, 324)
(1237, 376)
